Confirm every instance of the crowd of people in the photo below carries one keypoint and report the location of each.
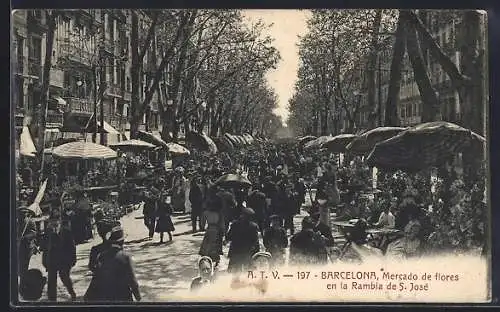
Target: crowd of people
(254, 219)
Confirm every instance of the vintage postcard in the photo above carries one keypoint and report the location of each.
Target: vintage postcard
(229, 156)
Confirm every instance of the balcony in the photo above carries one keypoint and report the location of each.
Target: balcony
(75, 53)
(35, 68)
(79, 105)
(114, 90)
(55, 119)
(109, 46)
(127, 96)
(18, 66)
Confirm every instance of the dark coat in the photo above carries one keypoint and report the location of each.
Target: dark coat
(115, 277)
(62, 250)
(94, 253)
(275, 241)
(307, 247)
(164, 223)
(257, 201)
(326, 232)
(196, 198)
(244, 238)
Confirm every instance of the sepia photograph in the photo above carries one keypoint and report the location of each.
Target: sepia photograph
(243, 155)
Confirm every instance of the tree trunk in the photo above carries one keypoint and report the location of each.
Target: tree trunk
(391, 108)
(431, 109)
(324, 120)
(135, 112)
(471, 104)
(372, 62)
(44, 90)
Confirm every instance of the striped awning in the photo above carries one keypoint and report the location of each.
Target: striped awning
(83, 150)
(424, 146)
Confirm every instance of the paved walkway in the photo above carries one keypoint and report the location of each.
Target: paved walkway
(160, 268)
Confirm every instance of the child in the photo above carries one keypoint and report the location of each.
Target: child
(206, 271)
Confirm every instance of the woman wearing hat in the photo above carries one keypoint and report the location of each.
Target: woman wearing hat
(164, 222)
(244, 237)
(275, 240)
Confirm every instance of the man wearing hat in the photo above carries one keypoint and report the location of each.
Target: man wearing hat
(244, 237)
(307, 246)
(115, 277)
(323, 229)
(275, 240)
(104, 226)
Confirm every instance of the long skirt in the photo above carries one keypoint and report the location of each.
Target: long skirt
(211, 246)
(164, 224)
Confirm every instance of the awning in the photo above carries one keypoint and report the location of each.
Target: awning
(58, 99)
(52, 130)
(109, 129)
(27, 147)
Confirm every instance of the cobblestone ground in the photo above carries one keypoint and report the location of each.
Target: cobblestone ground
(160, 268)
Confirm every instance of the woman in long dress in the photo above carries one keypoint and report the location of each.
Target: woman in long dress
(164, 222)
(211, 245)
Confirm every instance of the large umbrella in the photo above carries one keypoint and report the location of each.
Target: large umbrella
(307, 138)
(338, 143)
(318, 142)
(177, 149)
(231, 138)
(223, 144)
(363, 144)
(423, 146)
(248, 138)
(83, 150)
(152, 138)
(133, 144)
(201, 141)
(233, 181)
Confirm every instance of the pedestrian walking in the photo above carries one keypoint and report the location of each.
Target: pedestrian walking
(211, 246)
(257, 201)
(196, 199)
(149, 211)
(307, 247)
(275, 240)
(104, 226)
(115, 277)
(243, 236)
(59, 255)
(164, 222)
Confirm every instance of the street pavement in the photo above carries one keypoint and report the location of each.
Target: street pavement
(160, 268)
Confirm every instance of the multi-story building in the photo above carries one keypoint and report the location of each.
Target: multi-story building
(446, 28)
(88, 44)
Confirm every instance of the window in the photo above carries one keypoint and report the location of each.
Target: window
(410, 110)
(111, 71)
(20, 92)
(129, 87)
(20, 53)
(35, 49)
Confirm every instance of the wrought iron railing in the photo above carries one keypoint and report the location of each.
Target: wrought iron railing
(76, 53)
(54, 118)
(79, 105)
(35, 68)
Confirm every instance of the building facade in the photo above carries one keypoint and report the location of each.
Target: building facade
(447, 29)
(88, 44)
